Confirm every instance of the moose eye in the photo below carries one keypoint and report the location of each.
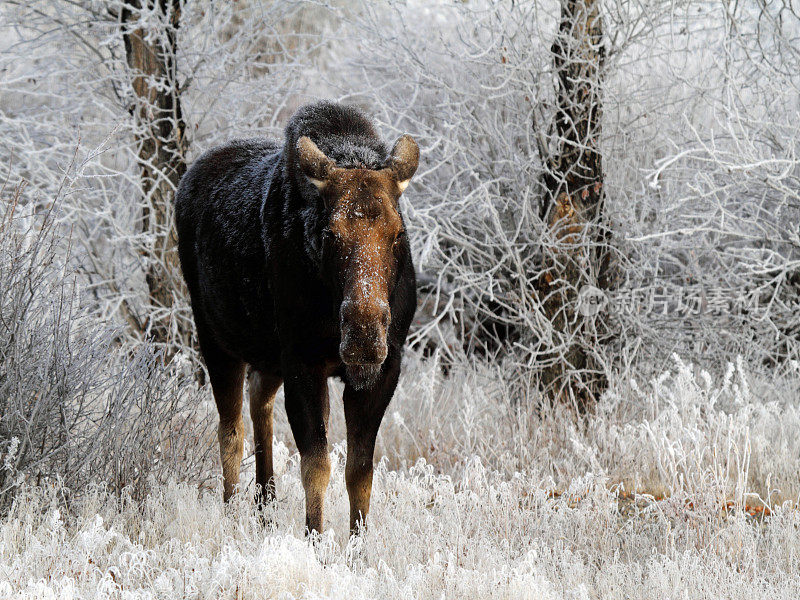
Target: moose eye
(400, 236)
(328, 235)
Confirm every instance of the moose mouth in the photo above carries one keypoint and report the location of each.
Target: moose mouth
(362, 377)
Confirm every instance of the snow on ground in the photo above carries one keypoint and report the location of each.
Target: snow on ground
(462, 519)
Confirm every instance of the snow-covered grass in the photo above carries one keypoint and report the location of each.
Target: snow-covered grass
(482, 493)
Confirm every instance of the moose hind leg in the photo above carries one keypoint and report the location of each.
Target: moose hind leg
(263, 388)
(227, 381)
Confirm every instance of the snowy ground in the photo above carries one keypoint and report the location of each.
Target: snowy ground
(455, 514)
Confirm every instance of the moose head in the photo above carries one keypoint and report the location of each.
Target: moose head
(363, 241)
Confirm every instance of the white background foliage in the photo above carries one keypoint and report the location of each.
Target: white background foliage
(484, 487)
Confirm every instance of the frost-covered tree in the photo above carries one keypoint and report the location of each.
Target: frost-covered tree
(150, 35)
(694, 110)
(573, 204)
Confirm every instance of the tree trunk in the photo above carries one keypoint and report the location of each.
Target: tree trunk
(150, 51)
(573, 207)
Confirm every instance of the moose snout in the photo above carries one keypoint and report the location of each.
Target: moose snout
(363, 330)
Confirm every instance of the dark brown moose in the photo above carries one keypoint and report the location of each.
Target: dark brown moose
(298, 265)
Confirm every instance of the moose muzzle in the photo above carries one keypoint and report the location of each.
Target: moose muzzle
(364, 327)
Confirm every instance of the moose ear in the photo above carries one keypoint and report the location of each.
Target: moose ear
(314, 164)
(403, 160)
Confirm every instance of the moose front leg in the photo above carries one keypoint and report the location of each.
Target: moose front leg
(315, 469)
(306, 391)
(363, 410)
(358, 473)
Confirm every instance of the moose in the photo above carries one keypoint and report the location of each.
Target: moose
(298, 266)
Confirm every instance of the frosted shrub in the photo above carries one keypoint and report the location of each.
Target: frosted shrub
(76, 408)
(683, 432)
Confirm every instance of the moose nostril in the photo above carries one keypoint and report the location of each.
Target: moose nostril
(348, 355)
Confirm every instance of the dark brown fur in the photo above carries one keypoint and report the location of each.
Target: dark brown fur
(297, 264)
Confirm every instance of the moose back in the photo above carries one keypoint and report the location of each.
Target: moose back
(298, 265)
